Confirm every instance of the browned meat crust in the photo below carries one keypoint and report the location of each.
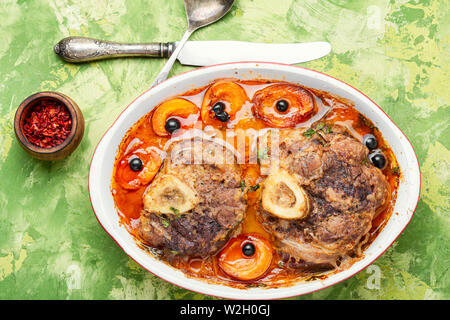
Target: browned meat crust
(206, 228)
(345, 192)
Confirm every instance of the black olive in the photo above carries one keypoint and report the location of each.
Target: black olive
(282, 105)
(218, 107)
(248, 249)
(370, 141)
(136, 164)
(223, 116)
(172, 125)
(378, 159)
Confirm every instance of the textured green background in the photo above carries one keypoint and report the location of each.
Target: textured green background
(397, 52)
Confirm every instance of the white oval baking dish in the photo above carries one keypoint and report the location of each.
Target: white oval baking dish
(103, 159)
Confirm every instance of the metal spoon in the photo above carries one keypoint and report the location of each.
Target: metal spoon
(199, 13)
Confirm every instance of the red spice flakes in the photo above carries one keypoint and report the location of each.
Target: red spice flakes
(48, 124)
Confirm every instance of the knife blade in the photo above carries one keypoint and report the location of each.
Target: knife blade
(194, 53)
(204, 53)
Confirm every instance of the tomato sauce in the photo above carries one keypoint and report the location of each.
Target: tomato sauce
(328, 108)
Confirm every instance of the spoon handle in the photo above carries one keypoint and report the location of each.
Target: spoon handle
(166, 69)
(81, 49)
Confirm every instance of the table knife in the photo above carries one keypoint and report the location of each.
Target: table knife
(194, 53)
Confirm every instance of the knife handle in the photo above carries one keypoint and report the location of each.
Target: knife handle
(81, 49)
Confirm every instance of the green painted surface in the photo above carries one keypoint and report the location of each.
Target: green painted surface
(51, 245)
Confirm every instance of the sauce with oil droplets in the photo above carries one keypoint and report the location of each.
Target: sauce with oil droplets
(329, 109)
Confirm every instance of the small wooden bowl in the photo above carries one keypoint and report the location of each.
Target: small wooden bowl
(68, 145)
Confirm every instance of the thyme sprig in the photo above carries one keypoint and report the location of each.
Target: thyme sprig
(262, 154)
(316, 131)
(175, 211)
(242, 185)
(165, 222)
(395, 170)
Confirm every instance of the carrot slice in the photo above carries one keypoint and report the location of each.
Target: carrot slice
(231, 94)
(183, 110)
(235, 263)
(131, 180)
(300, 105)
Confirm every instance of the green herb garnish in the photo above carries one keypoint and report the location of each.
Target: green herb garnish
(365, 161)
(242, 185)
(281, 264)
(320, 126)
(326, 128)
(309, 133)
(254, 188)
(175, 211)
(165, 222)
(395, 170)
(262, 154)
(366, 121)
